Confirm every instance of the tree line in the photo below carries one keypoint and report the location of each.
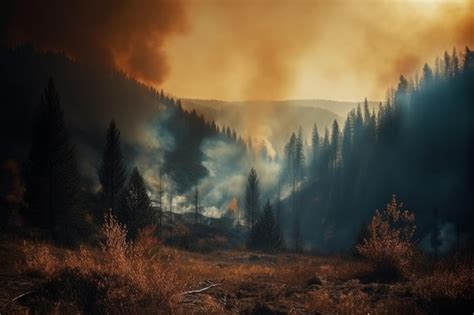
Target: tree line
(418, 144)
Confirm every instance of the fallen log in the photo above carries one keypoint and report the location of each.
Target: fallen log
(202, 289)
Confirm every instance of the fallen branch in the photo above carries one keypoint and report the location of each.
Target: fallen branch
(201, 290)
(15, 299)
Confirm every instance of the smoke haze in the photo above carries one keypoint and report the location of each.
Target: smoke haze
(130, 36)
(240, 50)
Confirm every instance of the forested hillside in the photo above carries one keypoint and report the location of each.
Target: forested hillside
(418, 145)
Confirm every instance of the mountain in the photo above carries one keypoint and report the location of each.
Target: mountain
(157, 134)
(339, 108)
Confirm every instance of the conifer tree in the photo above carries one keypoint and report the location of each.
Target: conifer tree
(366, 112)
(136, 210)
(266, 234)
(454, 63)
(324, 164)
(334, 144)
(315, 148)
(252, 198)
(53, 178)
(299, 154)
(112, 174)
(427, 75)
(347, 142)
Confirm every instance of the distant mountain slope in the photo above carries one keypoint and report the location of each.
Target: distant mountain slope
(156, 132)
(339, 108)
(281, 117)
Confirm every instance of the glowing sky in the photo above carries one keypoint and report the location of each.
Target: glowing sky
(343, 50)
(250, 49)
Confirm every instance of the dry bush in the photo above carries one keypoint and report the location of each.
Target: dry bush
(389, 243)
(121, 277)
(39, 258)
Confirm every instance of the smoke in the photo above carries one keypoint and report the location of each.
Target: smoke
(447, 239)
(343, 50)
(228, 168)
(127, 35)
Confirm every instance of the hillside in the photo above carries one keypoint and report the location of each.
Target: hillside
(295, 114)
(339, 108)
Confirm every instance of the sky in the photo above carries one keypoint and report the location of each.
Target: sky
(247, 50)
(341, 50)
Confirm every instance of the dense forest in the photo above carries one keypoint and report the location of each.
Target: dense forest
(418, 145)
(91, 140)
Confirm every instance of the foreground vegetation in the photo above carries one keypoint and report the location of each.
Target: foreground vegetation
(143, 276)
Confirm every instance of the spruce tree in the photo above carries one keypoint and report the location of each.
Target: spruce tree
(266, 234)
(299, 154)
(252, 198)
(112, 174)
(315, 148)
(136, 211)
(347, 142)
(324, 164)
(52, 175)
(334, 145)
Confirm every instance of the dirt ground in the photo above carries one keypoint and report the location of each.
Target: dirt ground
(255, 283)
(242, 282)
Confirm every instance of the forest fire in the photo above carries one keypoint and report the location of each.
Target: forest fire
(237, 157)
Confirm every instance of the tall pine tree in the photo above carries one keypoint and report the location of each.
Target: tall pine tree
(112, 174)
(136, 211)
(266, 234)
(53, 178)
(252, 199)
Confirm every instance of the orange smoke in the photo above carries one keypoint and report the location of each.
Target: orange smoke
(127, 35)
(240, 50)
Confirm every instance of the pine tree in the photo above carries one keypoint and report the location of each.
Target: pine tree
(299, 155)
(53, 178)
(447, 65)
(366, 112)
(290, 153)
(266, 234)
(347, 142)
(112, 174)
(315, 148)
(136, 210)
(334, 145)
(252, 198)
(324, 164)
(427, 75)
(468, 64)
(454, 63)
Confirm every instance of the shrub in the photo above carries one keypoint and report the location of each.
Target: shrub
(39, 257)
(389, 241)
(120, 277)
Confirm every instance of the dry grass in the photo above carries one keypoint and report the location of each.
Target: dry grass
(145, 277)
(123, 274)
(325, 302)
(446, 283)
